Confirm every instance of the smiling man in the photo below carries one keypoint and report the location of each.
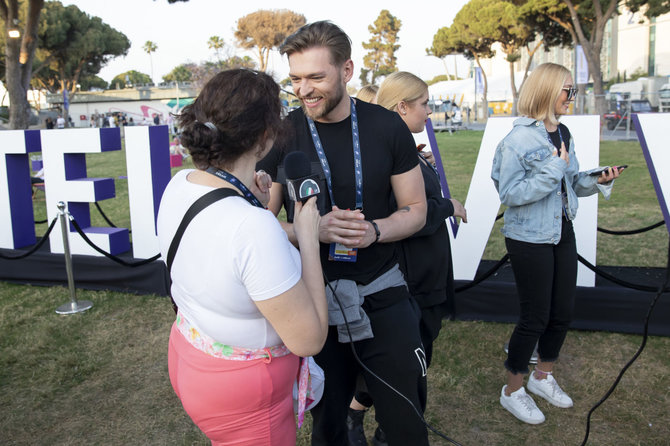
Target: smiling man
(362, 154)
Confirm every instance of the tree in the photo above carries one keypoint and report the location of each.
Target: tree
(72, 46)
(89, 83)
(216, 43)
(19, 55)
(150, 47)
(265, 30)
(499, 21)
(380, 59)
(462, 39)
(586, 20)
(199, 74)
(180, 73)
(129, 78)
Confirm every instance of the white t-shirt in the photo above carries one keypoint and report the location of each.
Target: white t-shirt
(231, 254)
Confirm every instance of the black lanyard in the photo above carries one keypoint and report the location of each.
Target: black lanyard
(358, 166)
(232, 179)
(560, 135)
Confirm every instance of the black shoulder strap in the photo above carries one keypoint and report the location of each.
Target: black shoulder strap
(200, 204)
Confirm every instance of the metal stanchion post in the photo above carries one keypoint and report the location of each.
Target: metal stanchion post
(73, 306)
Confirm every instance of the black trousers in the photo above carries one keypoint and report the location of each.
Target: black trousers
(546, 282)
(396, 355)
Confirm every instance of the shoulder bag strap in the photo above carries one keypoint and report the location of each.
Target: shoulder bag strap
(200, 204)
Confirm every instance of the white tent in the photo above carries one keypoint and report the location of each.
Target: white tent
(499, 89)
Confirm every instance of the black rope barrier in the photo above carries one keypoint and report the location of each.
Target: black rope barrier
(37, 246)
(109, 222)
(613, 232)
(612, 278)
(106, 254)
(659, 291)
(484, 276)
(632, 231)
(40, 222)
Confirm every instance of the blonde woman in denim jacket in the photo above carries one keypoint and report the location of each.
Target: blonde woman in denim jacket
(536, 173)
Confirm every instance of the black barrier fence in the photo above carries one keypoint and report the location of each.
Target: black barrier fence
(466, 286)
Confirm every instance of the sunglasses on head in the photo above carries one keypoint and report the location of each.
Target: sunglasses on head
(572, 92)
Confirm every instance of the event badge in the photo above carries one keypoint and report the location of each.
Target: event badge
(340, 253)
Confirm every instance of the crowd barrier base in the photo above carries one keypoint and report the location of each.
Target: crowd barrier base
(605, 307)
(90, 272)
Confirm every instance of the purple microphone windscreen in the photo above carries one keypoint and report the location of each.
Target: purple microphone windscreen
(296, 165)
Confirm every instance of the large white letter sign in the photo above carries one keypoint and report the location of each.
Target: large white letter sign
(148, 164)
(652, 131)
(64, 156)
(483, 202)
(17, 223)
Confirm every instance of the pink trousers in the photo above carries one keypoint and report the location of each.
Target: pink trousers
(242, 403)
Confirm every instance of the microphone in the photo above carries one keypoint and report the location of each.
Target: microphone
(299, 181)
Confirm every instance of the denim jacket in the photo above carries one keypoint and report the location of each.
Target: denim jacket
(528, 179)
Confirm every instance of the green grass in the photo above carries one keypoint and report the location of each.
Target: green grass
(100, 377)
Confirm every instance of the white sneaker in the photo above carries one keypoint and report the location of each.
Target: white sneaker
(549, 390)
(522, 406)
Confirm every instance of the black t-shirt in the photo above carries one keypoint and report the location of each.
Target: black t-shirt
(561, 132)
(387, 148)
(556, 137)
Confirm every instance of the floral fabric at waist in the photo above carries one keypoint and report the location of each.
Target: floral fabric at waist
(212, 347)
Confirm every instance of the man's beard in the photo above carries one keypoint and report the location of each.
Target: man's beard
(328, 106)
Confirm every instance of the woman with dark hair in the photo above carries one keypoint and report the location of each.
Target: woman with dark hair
(249, 302)
(536, 173)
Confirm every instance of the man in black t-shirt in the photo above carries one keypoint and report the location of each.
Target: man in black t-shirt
(362, 239)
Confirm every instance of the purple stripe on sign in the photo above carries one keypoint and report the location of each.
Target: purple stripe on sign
(159, 152)
(652, 172)
(119, 240)
(81, 212)
(33, 140)
(75, 166)
(440, 169)
(110, 139)
(20, 200)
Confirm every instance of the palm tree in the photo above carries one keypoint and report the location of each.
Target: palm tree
(216, 43)
(150, 47)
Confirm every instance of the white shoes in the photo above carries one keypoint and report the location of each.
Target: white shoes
(549, 390)
(522, 406)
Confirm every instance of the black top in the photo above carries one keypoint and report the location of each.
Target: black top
(556, 138)
(426, 256)
(387, 148)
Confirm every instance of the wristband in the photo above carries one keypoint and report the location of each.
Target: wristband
(377, 233)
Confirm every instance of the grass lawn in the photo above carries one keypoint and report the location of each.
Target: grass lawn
(100, 377)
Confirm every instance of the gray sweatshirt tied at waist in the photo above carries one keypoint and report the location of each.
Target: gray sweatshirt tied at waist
(351, 297)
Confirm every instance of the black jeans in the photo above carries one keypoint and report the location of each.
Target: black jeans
(546, 282)
(396, 355)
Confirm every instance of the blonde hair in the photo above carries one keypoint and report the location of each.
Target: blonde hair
(367, 93)
(398, 87)
(541, 91)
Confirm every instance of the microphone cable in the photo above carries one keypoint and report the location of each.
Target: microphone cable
(662, 289)
(381, 380)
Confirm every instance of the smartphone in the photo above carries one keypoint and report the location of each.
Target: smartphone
(597, 173)
(420, 147)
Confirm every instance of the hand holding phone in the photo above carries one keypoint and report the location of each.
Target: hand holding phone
(597, 173)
